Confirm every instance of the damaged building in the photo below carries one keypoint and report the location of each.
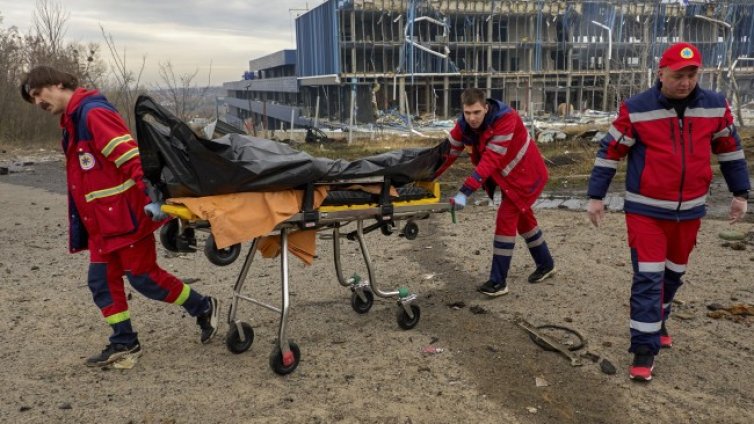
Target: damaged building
(362, 60)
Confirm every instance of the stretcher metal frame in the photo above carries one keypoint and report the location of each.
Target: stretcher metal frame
(286, 354)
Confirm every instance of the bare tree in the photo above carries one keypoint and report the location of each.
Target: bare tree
(180, 93)
(49, 20)
(43, 45)
(127, 81)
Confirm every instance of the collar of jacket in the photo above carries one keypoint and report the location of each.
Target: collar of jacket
(695, 96)
(496, 109)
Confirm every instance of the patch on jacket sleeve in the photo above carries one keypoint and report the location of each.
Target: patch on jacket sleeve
(86, 160)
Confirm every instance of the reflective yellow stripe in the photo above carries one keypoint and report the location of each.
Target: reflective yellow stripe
(119, 317)
(125, 157)
(110, 191)
(184, 295)
(112, 144)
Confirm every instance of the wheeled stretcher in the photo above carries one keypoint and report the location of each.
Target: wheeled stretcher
(179, 164)
(414, 202)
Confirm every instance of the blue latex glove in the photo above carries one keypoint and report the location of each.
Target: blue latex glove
(458, 201)
(153, 211)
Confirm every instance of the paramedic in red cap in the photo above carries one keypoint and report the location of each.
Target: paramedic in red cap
(668, 133)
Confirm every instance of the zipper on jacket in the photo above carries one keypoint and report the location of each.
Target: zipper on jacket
(683, 167)
(672, 136)
(691, 140)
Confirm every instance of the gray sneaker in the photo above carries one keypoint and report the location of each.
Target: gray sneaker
(112, 353)
(491, 288)
(208, 321)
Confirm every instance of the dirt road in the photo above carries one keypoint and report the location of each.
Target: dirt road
(363, 368)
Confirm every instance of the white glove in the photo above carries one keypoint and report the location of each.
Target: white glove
(153, 211)
(458, 201)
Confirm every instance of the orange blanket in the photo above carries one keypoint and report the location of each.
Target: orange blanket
(240, 217)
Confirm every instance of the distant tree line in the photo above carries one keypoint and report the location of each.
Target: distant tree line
(45, 44)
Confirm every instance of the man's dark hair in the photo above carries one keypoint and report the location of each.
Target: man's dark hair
(44, 76)
(471, 96)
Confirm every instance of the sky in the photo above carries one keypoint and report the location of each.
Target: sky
(188, 33)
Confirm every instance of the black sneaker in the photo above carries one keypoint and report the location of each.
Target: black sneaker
(112, 353)
(542, 273)
(643, 365)
(491, 288)
(208, 321)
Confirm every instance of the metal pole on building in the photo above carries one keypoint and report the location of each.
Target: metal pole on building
(353, 106)
(607, 63)
(729, 55)
(265, 122)
(316, 113)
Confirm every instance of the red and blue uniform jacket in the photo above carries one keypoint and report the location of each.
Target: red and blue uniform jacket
(106, 195)
(501, 150)
(669, 174)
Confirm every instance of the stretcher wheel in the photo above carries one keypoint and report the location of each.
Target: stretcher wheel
(387, 228)
(286, 365)
(404, 321)
(169, 235)
(233, 339)
(410, 230)
(220, 257)
(361, 306)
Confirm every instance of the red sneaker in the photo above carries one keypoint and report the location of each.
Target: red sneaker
(642, 367)
(666, 340)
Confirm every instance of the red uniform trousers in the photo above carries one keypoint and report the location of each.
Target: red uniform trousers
(138, 262)
(660, 250)
(511, 220)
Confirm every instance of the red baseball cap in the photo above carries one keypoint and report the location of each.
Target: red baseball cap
(681, 55)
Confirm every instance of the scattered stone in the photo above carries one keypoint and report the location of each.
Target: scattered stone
(607, 344)
(568, 319)
(492, 349)
(731, 235)
(477, 252)
(191, 280)
(715, 306)
(531, 409)
(684, 315)
(738, 245)
(35, 268)
(65, 405)
(540, 382)
(24, 408)
(607, 367)
(457, 305)
(478, 310)
(590, 356)
(717, 314)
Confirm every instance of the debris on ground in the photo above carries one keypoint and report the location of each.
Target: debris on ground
(457, 305)
(478, 310)
(736, 312)
(431, 350)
